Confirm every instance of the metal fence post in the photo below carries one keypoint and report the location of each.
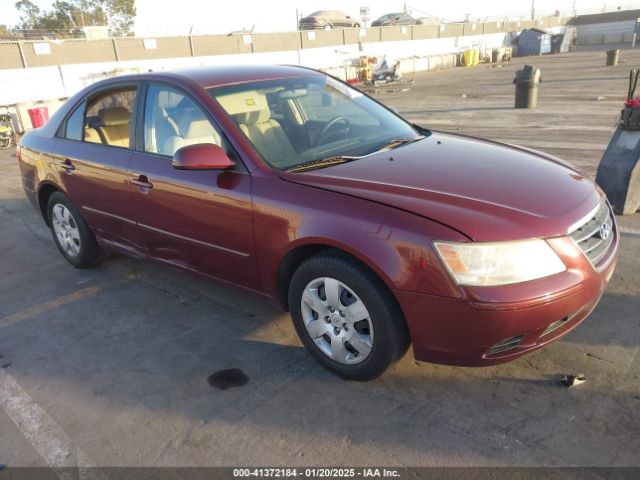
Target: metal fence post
(115, 49)
(22, 57)
(64, 85)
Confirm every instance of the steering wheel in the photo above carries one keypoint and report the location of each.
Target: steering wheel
(332, 123)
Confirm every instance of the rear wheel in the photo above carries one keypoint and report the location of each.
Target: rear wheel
(71, 234)
(346, 317)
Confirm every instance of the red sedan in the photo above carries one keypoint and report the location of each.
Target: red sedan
(373, 232)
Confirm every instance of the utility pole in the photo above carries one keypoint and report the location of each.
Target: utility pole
(533, 9)
(405, 7)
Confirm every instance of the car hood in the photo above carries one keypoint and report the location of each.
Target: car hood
(485, 190)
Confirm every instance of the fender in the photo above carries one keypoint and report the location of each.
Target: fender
(394, 244)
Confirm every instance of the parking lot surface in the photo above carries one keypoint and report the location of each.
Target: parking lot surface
(110, 366)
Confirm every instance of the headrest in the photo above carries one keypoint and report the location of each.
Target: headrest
(246, 107)
(114, 116)
(194, 125)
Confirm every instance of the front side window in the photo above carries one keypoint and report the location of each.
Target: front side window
(172, 121)
(108, 117)
(294, 122)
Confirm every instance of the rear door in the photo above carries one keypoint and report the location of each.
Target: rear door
(93, 153)
(197, 219)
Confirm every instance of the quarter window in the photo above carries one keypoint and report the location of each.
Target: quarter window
(73, 129)
(172, 121)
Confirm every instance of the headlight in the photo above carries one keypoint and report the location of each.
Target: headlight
(499, 263)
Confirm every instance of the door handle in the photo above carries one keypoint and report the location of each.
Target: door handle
(141, 181)
(68, 166)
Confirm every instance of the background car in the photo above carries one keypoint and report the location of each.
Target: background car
(326, 20)
(399, 18)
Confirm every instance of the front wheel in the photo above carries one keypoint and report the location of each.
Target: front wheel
(346, 317)
(71, 234)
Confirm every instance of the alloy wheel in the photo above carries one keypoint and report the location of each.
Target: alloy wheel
(337, 320)
(66, 230)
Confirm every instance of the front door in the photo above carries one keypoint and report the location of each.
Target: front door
(197, 219)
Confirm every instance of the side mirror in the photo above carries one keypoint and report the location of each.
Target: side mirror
(202, 156)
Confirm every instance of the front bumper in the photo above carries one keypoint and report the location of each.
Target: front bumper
(466, 331)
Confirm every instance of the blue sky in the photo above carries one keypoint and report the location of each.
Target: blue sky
(171, 17)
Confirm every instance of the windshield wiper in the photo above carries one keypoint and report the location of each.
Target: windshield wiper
(321, 163)
(397, 142)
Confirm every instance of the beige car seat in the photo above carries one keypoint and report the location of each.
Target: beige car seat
(160, 128)
(91, 135)
(193, 128)
(250, 111)
(115, 125)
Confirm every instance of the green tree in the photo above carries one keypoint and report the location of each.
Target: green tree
(118, 15)
(5, 32)
(30, 13)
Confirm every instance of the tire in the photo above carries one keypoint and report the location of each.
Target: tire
(353, 349)
(356, 25)
(71, 234)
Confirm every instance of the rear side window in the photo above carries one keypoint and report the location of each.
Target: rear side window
(108, 117)
(75, 123)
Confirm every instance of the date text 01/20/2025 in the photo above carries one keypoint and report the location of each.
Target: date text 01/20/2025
(315, 472)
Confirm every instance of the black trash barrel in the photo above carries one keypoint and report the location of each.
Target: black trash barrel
(612, 57)
(527, 81)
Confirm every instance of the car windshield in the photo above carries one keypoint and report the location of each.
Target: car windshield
(311, 122)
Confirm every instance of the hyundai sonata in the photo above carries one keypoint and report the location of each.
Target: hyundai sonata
(373, 232)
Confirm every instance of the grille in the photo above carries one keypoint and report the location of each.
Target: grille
(596, 235)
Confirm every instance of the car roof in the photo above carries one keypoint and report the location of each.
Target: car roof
(219, 75)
